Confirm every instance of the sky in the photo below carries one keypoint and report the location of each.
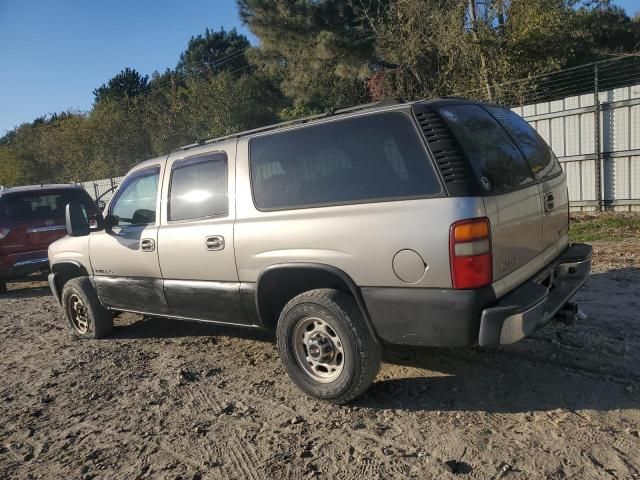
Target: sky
(55, 52)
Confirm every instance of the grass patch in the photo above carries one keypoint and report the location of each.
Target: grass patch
(604, 226)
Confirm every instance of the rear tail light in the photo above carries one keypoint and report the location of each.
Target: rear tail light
(4, 232)
(470, 251)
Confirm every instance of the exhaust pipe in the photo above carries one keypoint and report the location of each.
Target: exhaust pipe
(569, 313)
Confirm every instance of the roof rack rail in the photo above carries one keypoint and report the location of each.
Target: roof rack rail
(298, 121)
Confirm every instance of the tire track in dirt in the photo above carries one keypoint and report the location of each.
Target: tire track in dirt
(244, 461)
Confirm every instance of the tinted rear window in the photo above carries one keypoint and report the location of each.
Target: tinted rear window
(498, 164)
(47, 205)
(369, 158)
(542, 160)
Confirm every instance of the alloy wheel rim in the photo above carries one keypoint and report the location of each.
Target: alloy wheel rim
(78, 314)
(318, 349)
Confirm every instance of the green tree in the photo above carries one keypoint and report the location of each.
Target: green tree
(68, 144)
(126, 84)
(320, 50)
(207, 107)
(214, 52)
(120, 137)
(605, 31)
(11, 169)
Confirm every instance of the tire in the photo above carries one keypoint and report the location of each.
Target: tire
(326, 346)
(86, 316)
(3, 286)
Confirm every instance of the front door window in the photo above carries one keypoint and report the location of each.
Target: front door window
(135, 202)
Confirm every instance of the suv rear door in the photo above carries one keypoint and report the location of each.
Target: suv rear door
(546, 168)
(196, 238)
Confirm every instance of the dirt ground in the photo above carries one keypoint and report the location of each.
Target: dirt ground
(168, 399)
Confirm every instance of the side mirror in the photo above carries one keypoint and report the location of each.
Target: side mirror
(110, 221)
(77, 221)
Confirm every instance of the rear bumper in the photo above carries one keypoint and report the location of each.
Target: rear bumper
(446, 317)
(533, 304)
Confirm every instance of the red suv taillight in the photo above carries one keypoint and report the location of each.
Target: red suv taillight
(470, 251)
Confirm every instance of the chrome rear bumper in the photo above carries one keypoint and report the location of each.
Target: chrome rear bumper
(536, 302)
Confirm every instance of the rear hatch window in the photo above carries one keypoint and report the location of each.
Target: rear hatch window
(41, 206)
(540, 157)
(496, 161)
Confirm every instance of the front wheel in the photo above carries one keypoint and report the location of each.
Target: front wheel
(326, 346)
(83, 311)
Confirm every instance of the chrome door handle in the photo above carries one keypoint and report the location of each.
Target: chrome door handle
(549, 202)
(147, 245)
(214, 242)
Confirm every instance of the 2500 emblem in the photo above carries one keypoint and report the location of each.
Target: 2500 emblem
(508, 263)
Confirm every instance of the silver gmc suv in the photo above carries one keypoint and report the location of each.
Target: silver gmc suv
(440, 223)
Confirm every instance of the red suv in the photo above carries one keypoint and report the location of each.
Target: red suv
(31, 218)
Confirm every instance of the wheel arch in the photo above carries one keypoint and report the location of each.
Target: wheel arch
(65, 271)
(279, 283)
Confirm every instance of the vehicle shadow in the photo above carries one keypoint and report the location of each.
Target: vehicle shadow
(161, 327)
(485, 385)
(590, 365)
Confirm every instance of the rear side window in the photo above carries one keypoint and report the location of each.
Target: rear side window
(369, 158)
(47, 205)
(496, 161)
(540, 157)
(199, 187)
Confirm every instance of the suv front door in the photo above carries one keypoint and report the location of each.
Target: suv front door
(125, 257)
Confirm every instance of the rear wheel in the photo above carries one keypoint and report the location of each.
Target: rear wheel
(326, 346)
(85, 315)
(3, 286)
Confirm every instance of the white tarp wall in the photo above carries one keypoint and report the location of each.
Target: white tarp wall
(568, 125)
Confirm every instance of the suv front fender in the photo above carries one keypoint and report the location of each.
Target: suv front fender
(61, 273)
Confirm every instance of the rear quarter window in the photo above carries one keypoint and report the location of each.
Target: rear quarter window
(538, 154)
(496, 162)
(370, 158)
